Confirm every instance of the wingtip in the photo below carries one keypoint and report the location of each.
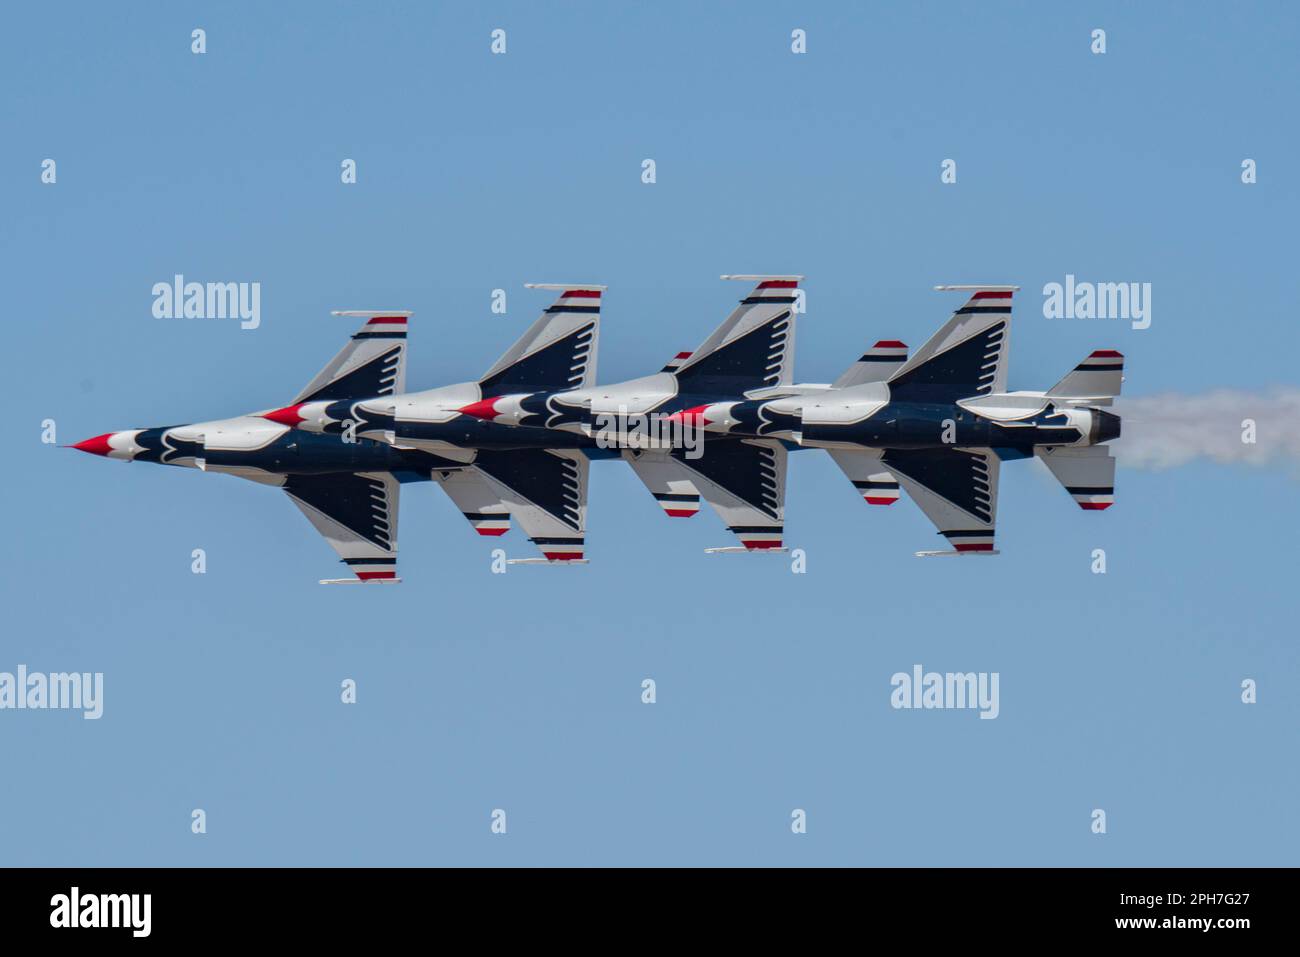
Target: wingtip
(588, 286)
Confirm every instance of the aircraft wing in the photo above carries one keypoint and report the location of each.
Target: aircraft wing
(744, 482)
(546, 491)
(667, 481)
(357, 514)
(958, 491)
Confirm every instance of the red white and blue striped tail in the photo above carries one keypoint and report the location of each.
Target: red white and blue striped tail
(476, 499)
(675, 362)
(1097, 378)
(967, 357)
(876, 485)
(557, 352)
(877, 364)
(667, 481)
(753, 348)
(372, 363)
(1087, 472)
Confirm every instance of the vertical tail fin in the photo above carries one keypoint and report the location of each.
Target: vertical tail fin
(967, 356)
(876, 365)
(372, 363)
(558, 352)
(1097, 378)
(754, 346)
(675, 363)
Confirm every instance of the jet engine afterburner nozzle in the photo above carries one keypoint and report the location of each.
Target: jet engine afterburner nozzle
(1105, 426)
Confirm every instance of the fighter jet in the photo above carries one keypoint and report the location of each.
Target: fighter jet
(742, 480)
(478, 424)
(348, 484)
(939, 423)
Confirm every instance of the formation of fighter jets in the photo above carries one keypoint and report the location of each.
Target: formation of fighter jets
(517, 443)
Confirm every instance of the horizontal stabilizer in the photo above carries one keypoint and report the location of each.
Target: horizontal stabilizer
(874, 483)
(1087, 472)
(1097, 378)
(477, 500)
(667, 481)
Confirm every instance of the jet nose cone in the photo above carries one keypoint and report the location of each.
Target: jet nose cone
(1107, 426)
(287, 416)
(482, 409)
(692, 417)
(99, 445)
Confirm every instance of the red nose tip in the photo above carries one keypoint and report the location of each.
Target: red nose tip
(482, 409)
(98, 445)
(693, 417)
(287, 416)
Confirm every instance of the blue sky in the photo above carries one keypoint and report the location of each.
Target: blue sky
(522, 691)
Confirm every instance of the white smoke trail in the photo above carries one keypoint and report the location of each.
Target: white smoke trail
(1164, 431)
